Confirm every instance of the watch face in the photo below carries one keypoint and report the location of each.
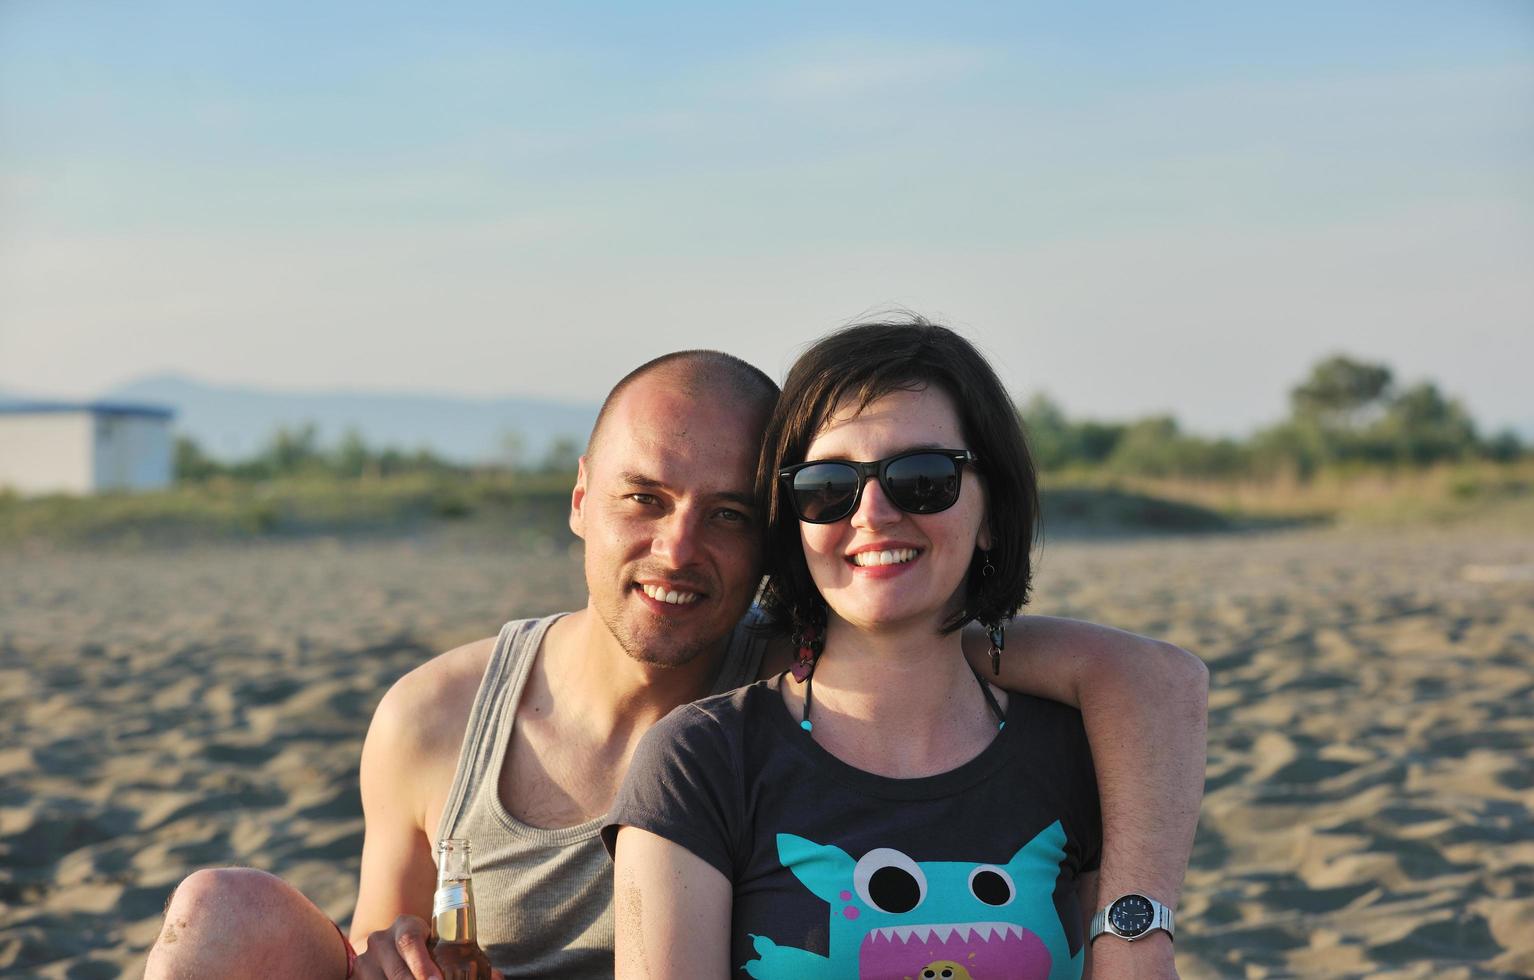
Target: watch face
(1131, 915)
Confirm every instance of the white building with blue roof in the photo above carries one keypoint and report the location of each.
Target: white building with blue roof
(84, 447)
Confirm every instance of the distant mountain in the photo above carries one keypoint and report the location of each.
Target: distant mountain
(232, 422)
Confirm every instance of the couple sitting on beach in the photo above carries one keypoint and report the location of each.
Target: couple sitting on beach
(901, 793)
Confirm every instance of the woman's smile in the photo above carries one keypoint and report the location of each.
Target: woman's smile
(883, 556)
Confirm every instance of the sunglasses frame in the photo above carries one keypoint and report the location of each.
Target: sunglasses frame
(878, 469)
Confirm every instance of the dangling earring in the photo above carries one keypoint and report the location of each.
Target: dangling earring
(997, 631)
(998, 634)
(811, 640)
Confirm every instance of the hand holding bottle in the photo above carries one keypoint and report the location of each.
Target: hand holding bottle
(447, 948)
(397, 952)
(401, 951)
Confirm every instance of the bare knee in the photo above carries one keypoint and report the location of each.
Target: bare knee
(220, 891)
(228, 916)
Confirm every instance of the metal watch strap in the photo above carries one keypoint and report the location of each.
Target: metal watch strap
(1161, 918)
(1099, 923)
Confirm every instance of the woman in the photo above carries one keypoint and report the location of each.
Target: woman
(882, 810)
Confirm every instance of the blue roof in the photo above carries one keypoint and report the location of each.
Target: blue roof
(97, 408)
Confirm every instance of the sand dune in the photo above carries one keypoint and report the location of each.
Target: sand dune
(1371, 778)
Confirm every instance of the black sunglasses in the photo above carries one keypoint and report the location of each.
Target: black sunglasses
(921, 481)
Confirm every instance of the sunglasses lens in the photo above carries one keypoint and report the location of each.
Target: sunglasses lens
(922, 483)
(824, 492)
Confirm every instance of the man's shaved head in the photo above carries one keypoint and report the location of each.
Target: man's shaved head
(697, 374)
(665, 500)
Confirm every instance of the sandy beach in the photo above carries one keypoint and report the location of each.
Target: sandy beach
(1370, 804)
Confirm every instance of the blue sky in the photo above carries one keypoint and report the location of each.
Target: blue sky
(1133, 207)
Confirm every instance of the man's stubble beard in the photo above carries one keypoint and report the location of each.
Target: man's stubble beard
(657, 654)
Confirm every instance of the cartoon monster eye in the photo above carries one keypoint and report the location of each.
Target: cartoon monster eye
(992, 885)
(889, 881)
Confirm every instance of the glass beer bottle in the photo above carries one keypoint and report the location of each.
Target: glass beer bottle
(454, 944)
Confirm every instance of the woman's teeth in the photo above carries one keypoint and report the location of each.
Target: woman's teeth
(674, 597)
(898, 556)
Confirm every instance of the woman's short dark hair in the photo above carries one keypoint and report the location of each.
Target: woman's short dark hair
(858, 365)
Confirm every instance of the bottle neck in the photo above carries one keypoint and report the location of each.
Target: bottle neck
(453, 862)
(453, 906)
(452, 913)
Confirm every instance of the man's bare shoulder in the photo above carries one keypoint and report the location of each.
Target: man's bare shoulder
(426, 712)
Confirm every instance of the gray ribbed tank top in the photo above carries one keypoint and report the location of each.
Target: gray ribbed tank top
(543, 897)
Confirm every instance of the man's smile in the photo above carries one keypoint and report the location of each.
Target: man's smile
(672, 596)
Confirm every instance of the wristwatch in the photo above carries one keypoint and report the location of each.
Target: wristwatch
(1131, 917)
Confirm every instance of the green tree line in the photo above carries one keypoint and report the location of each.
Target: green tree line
(298, 452)
(1346, 412)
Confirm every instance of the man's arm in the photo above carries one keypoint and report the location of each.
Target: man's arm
(1145, 707)
(398, 873)
(671, 910)
(408, 762)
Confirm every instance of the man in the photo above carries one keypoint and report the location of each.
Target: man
(520, 742)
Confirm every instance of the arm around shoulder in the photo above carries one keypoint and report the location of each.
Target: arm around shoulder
(1144, 704)
(1069, 660)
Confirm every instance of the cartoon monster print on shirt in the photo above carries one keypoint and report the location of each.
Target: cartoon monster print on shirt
(898, 918)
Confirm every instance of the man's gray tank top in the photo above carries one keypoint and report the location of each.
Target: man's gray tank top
(543, 897)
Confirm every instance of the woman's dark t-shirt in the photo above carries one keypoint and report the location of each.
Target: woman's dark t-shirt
(839, 872)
